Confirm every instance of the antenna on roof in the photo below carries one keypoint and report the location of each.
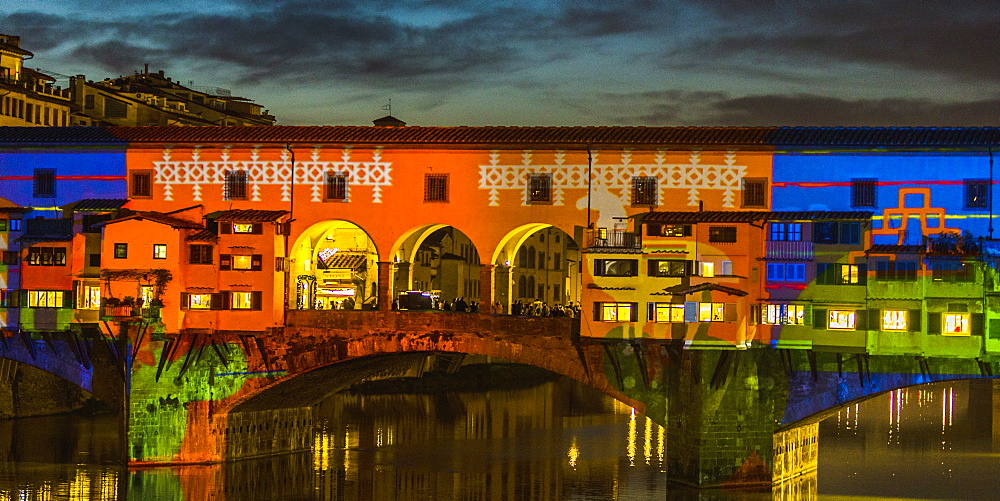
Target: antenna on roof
(388, 107)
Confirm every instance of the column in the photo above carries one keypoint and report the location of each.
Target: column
(486, 288)
(385, 285)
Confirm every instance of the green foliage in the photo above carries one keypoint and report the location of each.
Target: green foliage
(159, 277)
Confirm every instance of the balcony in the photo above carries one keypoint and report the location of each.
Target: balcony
(114, 310)
(613, 239)
(784, 249)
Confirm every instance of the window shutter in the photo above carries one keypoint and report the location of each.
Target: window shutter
(862, 274)
(225, 228)
(225, 262)
(598, 267)
(220, 300)
(185, 300)
(256, 300)
(978, 324)
(690, 311)
(727, 268)
(633, 267)
(597, 312)
(754, 314)
(933, 323)
(654, 230)
(824, 273)
(634, 312)
(256, 262)
(257, 229)
(861, 320)
(729, 312)
(652, 268)
(77, 286)
(650, 311)
(687, 230)
(914, 321)
(68, 299)
(688, 268)
(819, 318)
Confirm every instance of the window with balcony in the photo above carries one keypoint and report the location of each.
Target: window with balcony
(665, 312)
(644, 191)
(783, 314)
(616, 312)
(539, 188)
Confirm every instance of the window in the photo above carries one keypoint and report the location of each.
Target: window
(199, 301)
(15, 225)
(668, 230)
(832, 232)
(841, 320)
(242, 228)
(956, 324)
(241, 300)
(241, 262)
(706, 269)
(669, 268)
(200, 254)
(950, 271)
(121, 251)
(94, 260)
(44, 183)
(644, 191)
(754, 192)
(435, 187)
(616, 267)
(895, 320)
(556, 261)
(539, 188)
(790, 232)
(9, 298)
(89, 297)
(46, 256)
(722, 234)
(616, 312)
(896, 270)
(786, 272)
(666, 312)
(977, 193)
(863, 192)
(46, 299)
(236, 185)
(141, 184)
(114, 108)
(336, 187)
(244, 262)
(841, 274)
(783, 314)
(3, 225)
(159, 251)
(716, 312)
(10, 258)
(227, 228)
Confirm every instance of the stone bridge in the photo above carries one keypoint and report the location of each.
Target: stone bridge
(733, 417)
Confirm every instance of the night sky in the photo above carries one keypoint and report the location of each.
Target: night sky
(548, 62)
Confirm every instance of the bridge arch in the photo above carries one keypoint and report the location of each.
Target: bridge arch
(334, 265)
(437, 258)
(536, 262)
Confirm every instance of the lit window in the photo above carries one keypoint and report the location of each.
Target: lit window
(200, 301)
(841, 319)
(707, 269)
(676, 230)
(644, 191)
(783, 314)
(241, 262)
(121, 251)
(616, 312)
(242, 300)
(15, 225)
(90, 297)
(668, 312)
(146, 293)
(45, 299)
(711, 312)
(956, 324)
(895, 320)
(849, 274)
(159, 251)
(242, 227)
(668, 268)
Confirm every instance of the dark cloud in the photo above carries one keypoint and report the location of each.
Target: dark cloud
(717, 108)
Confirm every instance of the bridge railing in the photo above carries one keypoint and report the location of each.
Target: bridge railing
(363, 322)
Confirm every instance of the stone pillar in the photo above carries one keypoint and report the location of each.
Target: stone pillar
(502, 285)
(402, 278)
(385, 285)
(725, 407)
(486, 288)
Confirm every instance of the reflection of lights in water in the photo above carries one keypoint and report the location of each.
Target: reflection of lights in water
(631, 439)
(79, 487)
(947, 413)
(109, 486)
(647, 444)
(661, 439)
(621, 408)
(321, 449)
(574, 453)
(350, 441)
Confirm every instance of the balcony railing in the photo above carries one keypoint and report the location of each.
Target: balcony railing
(120, 312)
(616, 239)
(783, 249)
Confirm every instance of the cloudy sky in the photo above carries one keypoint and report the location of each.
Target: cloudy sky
(546, 62)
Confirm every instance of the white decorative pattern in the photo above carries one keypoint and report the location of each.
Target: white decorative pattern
(198, 171)
(693, 176)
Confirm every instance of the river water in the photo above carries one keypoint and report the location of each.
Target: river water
(558, 440)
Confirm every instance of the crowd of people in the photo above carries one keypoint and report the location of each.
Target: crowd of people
(517, 308)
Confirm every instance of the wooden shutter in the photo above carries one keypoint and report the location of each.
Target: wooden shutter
(634, 312)
(977, 327)
(68, 299)
(256, 262)
(819, 318)
(225, 262)
(730, 313)
(225, 228)
(633, 267)
(687, 230)
(653, 268)
(597, 312)
(654, 230)
(862, 274)
(689, 268)
(914, 321)
(257, 229)
(220, 300)
(185, 300)
(690, 311)
(824, 273)
(598, 267)
(650, 312)
(933, 323)
(861, 320)
(256, 300)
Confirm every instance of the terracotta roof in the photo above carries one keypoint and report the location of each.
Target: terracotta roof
(247, 215)
(96, 204)
(683, 290)
(895, 249)
(174, 222)
(15, 49)
(20, 136)
(350, 261)
(8, 206)
(203, 236)
(751, 216)
(884, 136)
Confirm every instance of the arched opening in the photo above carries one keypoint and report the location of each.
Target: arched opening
(441, 263)
(537, 265)
(334, 265)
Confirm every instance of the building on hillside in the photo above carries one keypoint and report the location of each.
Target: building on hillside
(29, 97)
(154, 99)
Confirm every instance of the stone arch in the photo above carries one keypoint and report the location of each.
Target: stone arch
(520, 250)
(437, 258)
(333, 263)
